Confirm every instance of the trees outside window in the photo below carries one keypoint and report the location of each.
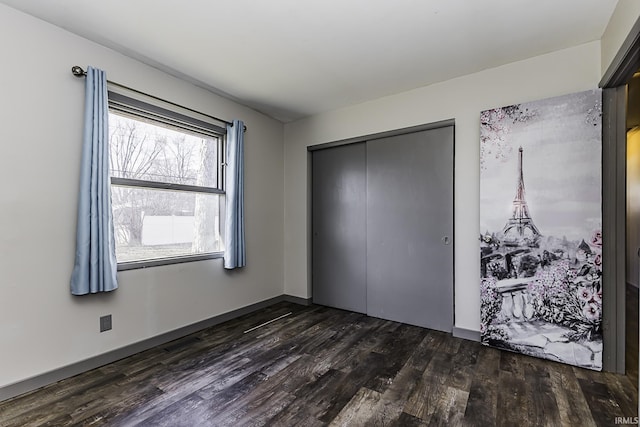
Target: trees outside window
(166, 189)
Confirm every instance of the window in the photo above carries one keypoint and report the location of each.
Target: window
(166, 184)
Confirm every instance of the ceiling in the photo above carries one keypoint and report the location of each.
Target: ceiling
(294, 58)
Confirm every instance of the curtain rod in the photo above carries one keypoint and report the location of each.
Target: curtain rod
(79, 72)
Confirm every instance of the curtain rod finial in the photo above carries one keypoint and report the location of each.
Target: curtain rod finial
(78, 71)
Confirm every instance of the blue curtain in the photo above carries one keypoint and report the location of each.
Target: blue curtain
(95, 266)
(234, 255)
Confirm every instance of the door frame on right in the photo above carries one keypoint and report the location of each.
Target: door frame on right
(614, 108)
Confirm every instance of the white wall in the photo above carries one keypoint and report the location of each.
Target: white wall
(463, 98)
(42, 326)
(624, 17)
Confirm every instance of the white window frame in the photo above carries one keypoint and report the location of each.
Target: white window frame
(140, 110)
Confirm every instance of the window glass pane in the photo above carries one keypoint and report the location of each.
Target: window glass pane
(147, 151)
(151, 224)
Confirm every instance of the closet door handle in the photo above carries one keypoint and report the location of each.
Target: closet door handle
(447, 240)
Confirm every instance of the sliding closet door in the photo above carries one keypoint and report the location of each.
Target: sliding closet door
(410, 228)
(339, 227)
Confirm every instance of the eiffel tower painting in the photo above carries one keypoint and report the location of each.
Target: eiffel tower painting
(520, 229)
(541, 295)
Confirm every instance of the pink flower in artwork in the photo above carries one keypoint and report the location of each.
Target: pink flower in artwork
(585, 294)
(591, 311)
(596, 239)
(597, 261)
(597, 297)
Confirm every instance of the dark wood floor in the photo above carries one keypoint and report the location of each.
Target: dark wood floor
(321, 366)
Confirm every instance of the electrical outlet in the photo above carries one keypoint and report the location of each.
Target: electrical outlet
(105, 323)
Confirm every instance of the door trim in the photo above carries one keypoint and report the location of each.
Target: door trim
(614, 228)
(626, 62)
(386, 134)
(614, 81)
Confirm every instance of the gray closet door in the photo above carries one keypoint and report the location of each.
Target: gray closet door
(339, 227)
(410, 228)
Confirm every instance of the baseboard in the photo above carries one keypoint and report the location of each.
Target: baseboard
(297, 300)
(33, 383)
(466, 334)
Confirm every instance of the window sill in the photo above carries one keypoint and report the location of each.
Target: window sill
(134, 265)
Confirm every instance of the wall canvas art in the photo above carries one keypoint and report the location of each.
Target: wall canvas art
(540, 225)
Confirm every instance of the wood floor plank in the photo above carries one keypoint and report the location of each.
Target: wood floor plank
(512, 363)
(482, 403)
(369, 365)
(402, 385)
(426, 349)
(602, 404)
(182, 413)
(572, 405)
(396, 352)
(423, 400)
(56, 402)
(178, 387)
(116, 398)
(359, 410)
(301, 376)
(313, 400)
(364, 342)
(512, 399)
(406, 420)
(542, 409)
(48, 395)
(320, 366)
(194, 407)
(297, 413)
(242, 380)
(450, 407)
(463, 366)
(617, 387)
(257, 413)
(388, 408)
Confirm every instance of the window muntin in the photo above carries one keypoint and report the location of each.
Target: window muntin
(167, 187)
